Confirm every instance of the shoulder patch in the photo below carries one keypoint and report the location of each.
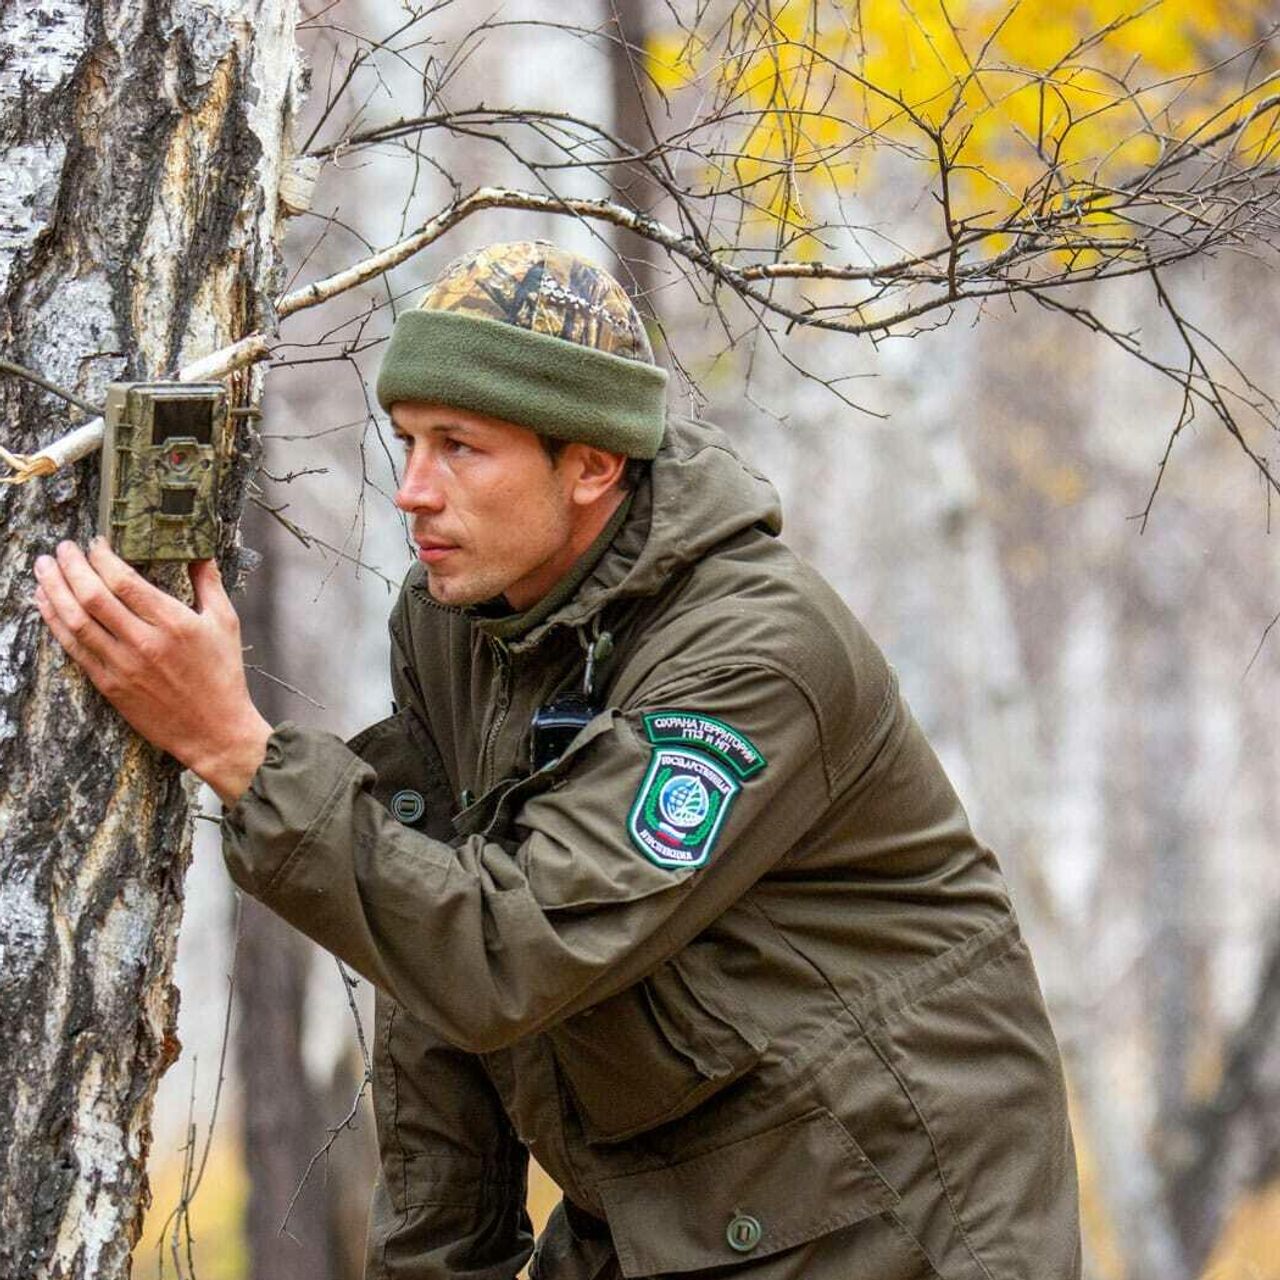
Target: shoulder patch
(681, 806)
(706, 734)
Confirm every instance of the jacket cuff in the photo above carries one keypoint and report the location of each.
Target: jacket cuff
(301, 778)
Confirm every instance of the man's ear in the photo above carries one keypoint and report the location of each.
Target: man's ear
(595, 472)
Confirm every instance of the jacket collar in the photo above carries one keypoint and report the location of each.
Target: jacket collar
(698, 493)
(511, 627)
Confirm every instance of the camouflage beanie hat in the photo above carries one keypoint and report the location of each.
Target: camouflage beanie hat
(535, 335)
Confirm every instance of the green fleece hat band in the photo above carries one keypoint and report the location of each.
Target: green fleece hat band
(555, 387)
(537, 335)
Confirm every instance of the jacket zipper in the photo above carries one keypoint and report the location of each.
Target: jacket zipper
(502, 659)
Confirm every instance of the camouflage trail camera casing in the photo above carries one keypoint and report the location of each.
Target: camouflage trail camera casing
(163, 454)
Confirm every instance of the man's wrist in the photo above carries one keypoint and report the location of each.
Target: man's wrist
(230, 769)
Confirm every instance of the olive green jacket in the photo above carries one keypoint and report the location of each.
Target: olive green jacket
(733, 968)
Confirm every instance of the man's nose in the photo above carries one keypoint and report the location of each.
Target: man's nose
(419, 488)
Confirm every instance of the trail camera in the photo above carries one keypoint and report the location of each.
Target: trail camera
(162, 459)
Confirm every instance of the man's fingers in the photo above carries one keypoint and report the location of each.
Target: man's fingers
(62, 602)
(143, 598)
(95, 597)
(86, 642)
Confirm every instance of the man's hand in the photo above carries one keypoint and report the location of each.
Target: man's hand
(175, 674)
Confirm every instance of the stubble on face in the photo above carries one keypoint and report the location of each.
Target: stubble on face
(505, 550)
(490, 510)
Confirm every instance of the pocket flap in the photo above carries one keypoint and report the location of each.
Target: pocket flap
(494, 813)
(745, 1200)
(411, 779)
(656, 1050)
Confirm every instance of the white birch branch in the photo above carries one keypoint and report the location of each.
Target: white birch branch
(955, 283)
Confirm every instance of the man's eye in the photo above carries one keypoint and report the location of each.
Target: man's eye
(456, 446)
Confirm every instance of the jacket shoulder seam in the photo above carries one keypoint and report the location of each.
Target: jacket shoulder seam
(887, 702)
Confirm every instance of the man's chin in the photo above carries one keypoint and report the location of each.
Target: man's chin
(441, 590)
(456, 592)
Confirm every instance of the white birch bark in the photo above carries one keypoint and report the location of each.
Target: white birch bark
(140, 154)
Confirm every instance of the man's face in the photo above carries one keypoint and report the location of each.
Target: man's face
(491, 513)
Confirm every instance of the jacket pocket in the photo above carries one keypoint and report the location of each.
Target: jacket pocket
(412, 782)
(779, 1190)
(656, 1050)
(494, 813)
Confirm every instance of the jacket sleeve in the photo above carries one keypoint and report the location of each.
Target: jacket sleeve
(450, 1195)
(563, 902)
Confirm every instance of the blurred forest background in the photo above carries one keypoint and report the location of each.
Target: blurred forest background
(1103, 690)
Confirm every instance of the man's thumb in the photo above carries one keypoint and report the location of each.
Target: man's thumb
(206, 582)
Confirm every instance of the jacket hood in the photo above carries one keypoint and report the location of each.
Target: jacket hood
(699, 492)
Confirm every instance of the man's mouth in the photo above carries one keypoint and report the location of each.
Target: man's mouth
(433, 550)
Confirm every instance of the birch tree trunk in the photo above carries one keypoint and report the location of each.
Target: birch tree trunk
(140, 152)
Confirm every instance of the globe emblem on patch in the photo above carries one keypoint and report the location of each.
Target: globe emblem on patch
(683, 802)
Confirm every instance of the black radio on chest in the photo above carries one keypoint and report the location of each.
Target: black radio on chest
(555, 724)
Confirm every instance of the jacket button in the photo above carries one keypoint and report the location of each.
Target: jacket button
(408, 805)
(743, 1232)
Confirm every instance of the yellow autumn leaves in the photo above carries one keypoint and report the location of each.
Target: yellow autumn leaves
(1011, 115)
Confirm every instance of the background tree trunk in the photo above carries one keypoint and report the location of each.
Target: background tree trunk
(282, 1118)
(140, 152)
(627, 27)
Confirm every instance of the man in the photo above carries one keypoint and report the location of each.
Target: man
(653, 870)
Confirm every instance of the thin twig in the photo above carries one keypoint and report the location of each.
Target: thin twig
(1266, 631)
(284, 684)
(192, 1174)
(21, 371)
(310, 539)
(349, 985)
